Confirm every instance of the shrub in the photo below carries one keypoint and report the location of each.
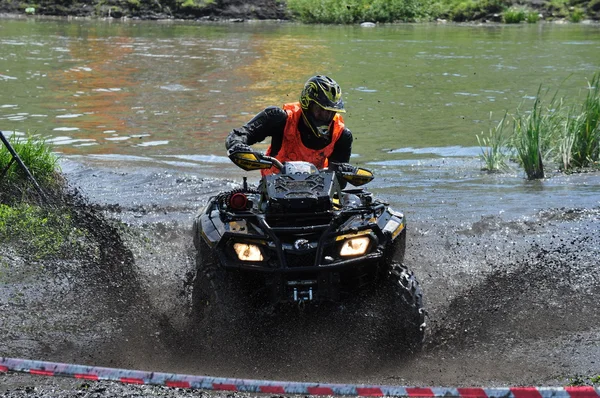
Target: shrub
(514, 15)
(576, 15)
(558, 8)
(196, 4)
(532, 17)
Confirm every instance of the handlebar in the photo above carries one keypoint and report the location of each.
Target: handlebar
(271, 159)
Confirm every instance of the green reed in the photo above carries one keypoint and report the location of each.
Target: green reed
(567, 135)
(494, 147)
(586, 146)
(535, 134)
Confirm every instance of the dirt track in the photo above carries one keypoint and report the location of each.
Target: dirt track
(511, 302)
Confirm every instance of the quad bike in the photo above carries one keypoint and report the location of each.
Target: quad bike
(299, 238)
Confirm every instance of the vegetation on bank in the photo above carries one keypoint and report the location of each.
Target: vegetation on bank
(39, 232)
(507, 11)
(40, 161)
(58, 223)
(319, 11)
(26, 221)
(551, 132)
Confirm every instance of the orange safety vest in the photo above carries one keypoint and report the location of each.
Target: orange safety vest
(292, 147)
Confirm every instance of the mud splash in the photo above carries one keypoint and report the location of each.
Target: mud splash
(510, 301)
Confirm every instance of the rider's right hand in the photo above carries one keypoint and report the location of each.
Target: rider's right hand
(343, 168)
(239, 147)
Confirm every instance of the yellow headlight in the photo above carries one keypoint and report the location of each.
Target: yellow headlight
(247, 252)
(355, 246)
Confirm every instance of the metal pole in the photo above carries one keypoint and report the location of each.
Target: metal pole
(22, 165)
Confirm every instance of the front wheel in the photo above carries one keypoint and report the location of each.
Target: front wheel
(209, 286)
(215, 293)
(403, 301)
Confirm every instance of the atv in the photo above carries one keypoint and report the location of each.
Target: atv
(299, 238)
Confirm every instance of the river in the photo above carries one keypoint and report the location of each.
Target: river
(163, 95)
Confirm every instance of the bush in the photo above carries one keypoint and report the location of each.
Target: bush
(532, 17)
(576, 15)
(473, 10)
(514, 15)
(558, 8)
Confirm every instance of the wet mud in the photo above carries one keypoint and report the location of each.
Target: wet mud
(511, 301)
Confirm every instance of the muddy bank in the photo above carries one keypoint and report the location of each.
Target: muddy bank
(511, 301)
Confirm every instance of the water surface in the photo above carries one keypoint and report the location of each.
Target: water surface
(142, 95)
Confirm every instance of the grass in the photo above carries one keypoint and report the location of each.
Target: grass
(532, 131)
(356, 11)
(520, 14)
(568, 135)
(587, 132)
(577, 15)
(580, 381)
(37, 156)
(494, 147)
(514, 15)
(40, 232)
(385, 11)
(42, 163)
(532, 17)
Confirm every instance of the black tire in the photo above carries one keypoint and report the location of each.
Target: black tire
(404, 301)
(209, 284)
(215, 293)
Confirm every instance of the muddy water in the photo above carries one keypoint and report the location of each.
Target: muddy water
(139, 112)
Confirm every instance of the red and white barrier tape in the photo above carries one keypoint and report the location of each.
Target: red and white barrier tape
(282, 387)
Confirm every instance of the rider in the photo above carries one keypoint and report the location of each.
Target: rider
(310, 130)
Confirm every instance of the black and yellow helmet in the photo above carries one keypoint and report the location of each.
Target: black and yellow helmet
(327, 94)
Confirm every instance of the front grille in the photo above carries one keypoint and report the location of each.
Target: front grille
(300, 260)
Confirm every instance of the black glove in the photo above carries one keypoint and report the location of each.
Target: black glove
(239, 147)
(343, 168)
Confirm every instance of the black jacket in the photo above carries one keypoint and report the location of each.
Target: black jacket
(271, 122)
